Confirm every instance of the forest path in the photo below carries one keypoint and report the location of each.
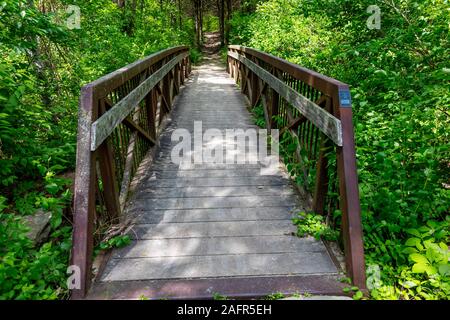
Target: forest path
(211, 43)
(214, 228)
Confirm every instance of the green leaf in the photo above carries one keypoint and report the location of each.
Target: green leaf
(413, 232)
(412, 242)
(424, 268)
(409, 284)
(358, 295)
(52, 188)
(381, 72)
(444, 270)
(409, 250)
(418, 258)
(56, 220)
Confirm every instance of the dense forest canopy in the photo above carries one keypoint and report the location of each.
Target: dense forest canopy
(399, 74)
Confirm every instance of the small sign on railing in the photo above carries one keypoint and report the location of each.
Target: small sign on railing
(345, 98)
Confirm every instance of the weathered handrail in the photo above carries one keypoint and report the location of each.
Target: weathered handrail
(119, 120)
(316, 111)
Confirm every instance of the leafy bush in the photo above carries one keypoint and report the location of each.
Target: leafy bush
(314, 225)
(27, 272)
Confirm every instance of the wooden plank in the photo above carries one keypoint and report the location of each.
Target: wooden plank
(105, 125)
(216, 202)
(155, 216)
(218, 182)
(219, 266)
(212, 192)
(321, 285)
(213, 229)
(326, 122)
(207, 173)
(218, 246)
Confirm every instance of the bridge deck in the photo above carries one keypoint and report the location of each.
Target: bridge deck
(212, 228)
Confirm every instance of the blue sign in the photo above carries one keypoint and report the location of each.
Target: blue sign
(345, 98)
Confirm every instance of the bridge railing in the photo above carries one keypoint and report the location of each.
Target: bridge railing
(119, 120)
(313, 113)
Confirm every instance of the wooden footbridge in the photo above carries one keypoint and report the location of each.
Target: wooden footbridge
(205, 228)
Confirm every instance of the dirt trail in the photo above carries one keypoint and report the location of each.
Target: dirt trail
(212, 43)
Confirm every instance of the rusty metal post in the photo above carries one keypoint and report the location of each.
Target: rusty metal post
(349, 193)
(84, 193)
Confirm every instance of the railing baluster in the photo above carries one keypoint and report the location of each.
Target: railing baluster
(107, 170)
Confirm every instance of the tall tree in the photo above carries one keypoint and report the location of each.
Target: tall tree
(221, 15)
(198, 23)
(201, 20)
(228, 17)
(180, 19)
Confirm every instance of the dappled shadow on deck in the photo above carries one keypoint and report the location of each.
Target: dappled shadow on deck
(203, 228)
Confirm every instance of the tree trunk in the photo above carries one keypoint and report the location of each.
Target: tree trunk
(201, 21)
(197, 23)
(40, 64)
(227, 23)
(180, 20)
(221, 16)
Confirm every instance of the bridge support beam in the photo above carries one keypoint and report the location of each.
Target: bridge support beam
(274, 108)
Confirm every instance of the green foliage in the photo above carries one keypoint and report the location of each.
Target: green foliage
(358, 295)
(210, 23)
(275, 296)
(423, 265)
(314, 225)
(258, 113)
(354, 291)
(399, 77)
(27, 272)
(115, 242)
(218, 296)
(195, 55)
